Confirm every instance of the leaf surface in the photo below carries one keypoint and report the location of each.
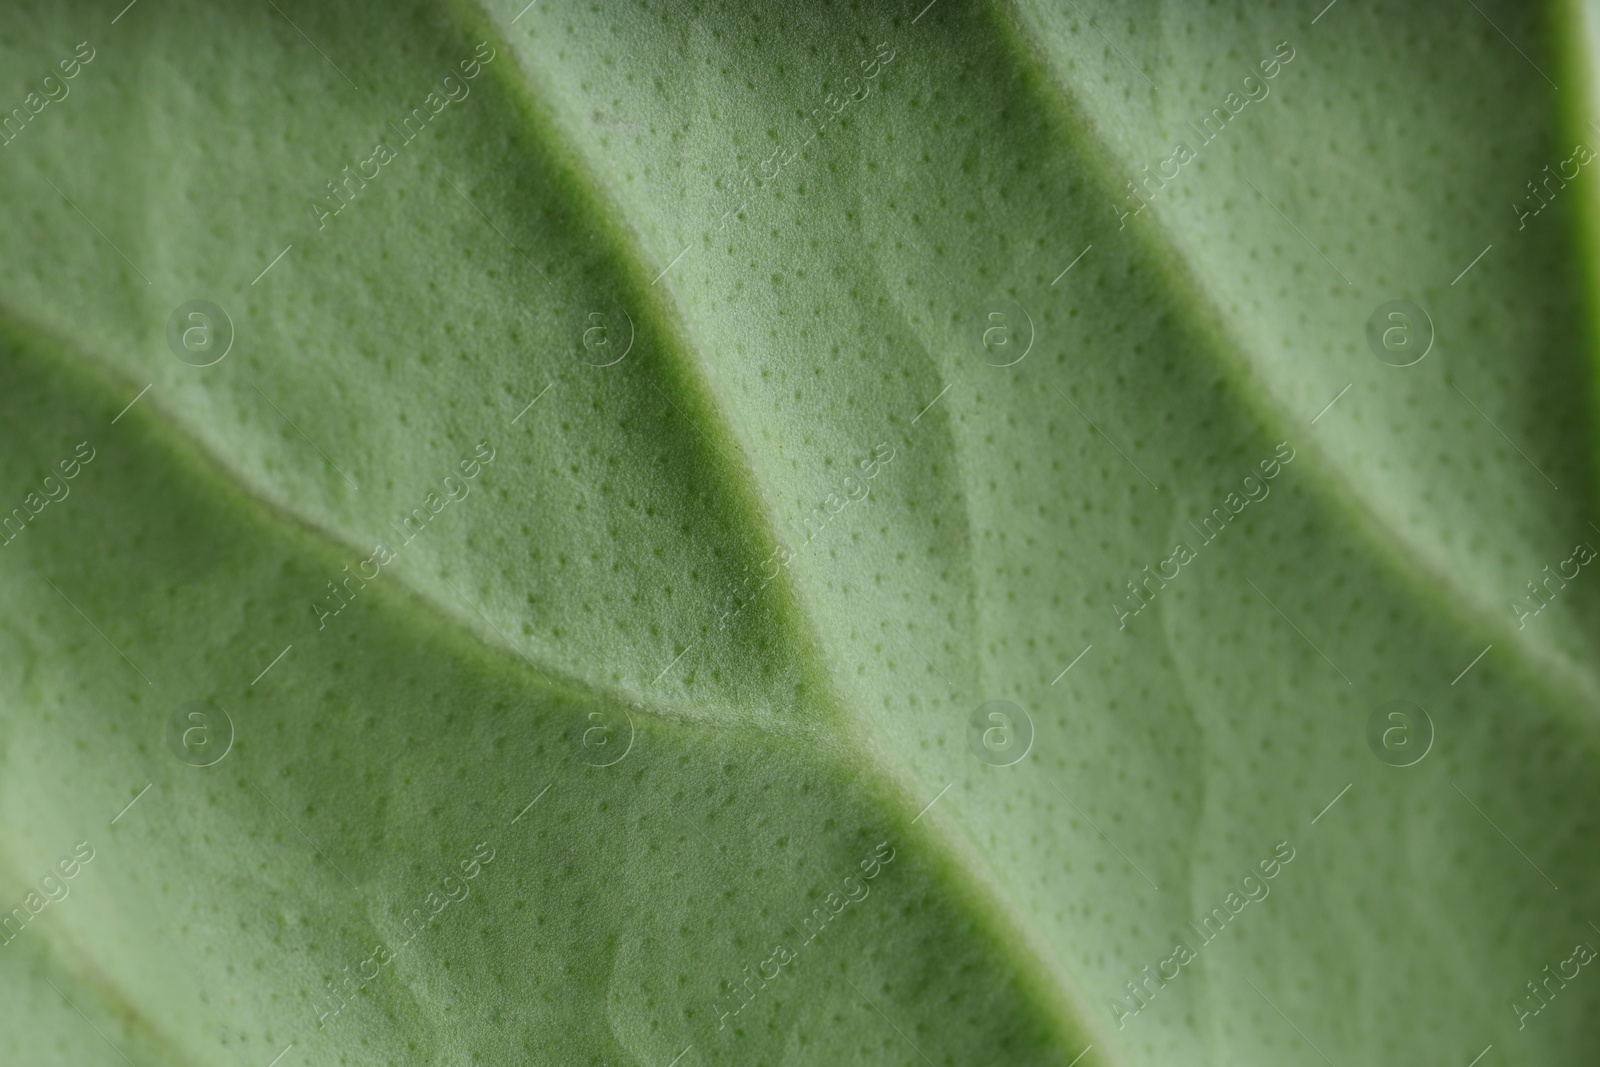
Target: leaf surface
(817, 393)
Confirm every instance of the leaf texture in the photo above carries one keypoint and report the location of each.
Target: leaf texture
(653, 436)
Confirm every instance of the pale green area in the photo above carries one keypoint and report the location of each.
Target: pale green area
(587, 571)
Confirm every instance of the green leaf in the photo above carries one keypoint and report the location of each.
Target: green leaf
(566, 623)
